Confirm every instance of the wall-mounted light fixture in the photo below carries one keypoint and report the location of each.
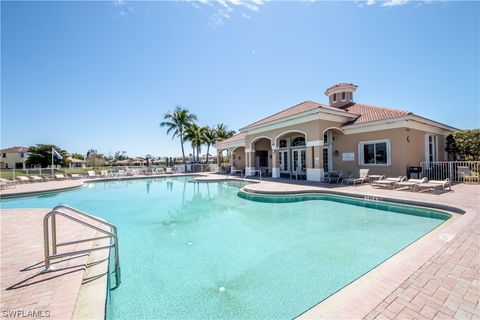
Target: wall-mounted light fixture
(336, 153)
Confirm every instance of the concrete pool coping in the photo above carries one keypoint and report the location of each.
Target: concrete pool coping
(361, 296)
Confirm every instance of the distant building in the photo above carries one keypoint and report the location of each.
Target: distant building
(76, 163)
(14, 158)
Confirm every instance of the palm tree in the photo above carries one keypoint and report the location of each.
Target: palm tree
(209, 137)
(194, 134)
(223, 132)
(177, 121)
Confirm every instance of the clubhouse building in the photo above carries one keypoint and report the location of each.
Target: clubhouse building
(343, 136)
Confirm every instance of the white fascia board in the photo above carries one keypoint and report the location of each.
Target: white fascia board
(410, 121)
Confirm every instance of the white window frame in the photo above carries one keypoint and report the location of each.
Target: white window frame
(343, 96)
(361, 158)
(435, 147)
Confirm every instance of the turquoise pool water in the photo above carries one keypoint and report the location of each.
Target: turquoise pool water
(197, 251)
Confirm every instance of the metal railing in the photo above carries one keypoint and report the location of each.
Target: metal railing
(55, 255)
(251, 174)
(441, 170)
(235, 171)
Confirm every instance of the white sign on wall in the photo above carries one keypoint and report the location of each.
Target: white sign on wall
(348, 156)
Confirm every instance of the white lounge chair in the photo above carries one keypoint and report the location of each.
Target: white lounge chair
(387, 182)
(363, 173)
(6, 184)
(75, 176)
(24, 179)
(104, 174)
(411, 184)
(37, 179)
(169, 170)
(435, 185)
(92, 174)
(60, 176)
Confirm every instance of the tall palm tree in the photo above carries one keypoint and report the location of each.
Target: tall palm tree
(209, 137)
(223, 132)
(194, 134)
(177, 121)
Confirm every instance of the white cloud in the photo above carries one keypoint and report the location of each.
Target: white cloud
(393, 3)
(370, 2)
(253, 52)
(223, 9)
(123, 7)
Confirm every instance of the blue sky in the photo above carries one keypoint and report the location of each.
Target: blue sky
(102, 74)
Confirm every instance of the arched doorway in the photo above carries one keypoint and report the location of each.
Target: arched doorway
(291, 152)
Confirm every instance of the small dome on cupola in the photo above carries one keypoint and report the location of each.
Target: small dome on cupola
(340, 94)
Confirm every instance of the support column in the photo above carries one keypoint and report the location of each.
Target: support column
(250, 164)
(219, 164)
(231, 161)
(315, 160)
(275, 165)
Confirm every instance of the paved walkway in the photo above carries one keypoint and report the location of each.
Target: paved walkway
(24, 289)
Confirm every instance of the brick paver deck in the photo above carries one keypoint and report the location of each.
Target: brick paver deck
(446, 287)
(24, 289)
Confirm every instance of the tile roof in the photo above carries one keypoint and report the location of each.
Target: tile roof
(238, 137)
(340, 85)
(14, 149)
(368, 113)
(296, 109)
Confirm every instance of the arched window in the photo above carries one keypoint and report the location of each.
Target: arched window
(297, 142)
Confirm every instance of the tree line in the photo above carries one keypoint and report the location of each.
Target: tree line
(182, 124)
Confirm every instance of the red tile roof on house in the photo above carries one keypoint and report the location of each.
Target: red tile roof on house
(14, 149)
(368, 113)
(296, 109)
(238, 137)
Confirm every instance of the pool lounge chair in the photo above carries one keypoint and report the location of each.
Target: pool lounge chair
(60, 176)
(37, 179)
(387, 182)
(24, 179)
(104, 174)
(169, 170)
(411, 184)
(92, 174)
(435, 185)
(75, 176)
(6, 184)
(363, 173)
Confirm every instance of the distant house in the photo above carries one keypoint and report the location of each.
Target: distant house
(14, 158)
(342, 135)
(76, 163)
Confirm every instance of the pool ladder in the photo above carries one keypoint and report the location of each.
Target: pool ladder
(66, 212)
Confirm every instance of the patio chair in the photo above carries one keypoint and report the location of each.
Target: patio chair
(60, 176)
(435, 185)
(104, 174)
(169, 170)
(37, 179)
(387, 182)
(297, 173)
(410, 184)
(24, 179)
(92, 174)
(5, 183)
(121, 173)
(466, 175)
(334, 176)
(75, 176)
(363, 173)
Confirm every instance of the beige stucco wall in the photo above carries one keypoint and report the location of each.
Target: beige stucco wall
(239, 158)
(404, 152)
(11, 159)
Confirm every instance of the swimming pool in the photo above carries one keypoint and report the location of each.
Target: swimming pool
(199, 250)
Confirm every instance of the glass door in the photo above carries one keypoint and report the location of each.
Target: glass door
(299, 157)
(283, 161)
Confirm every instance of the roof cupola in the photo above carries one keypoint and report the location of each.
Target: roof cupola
(340, 94)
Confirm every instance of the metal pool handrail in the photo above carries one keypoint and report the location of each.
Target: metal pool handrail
(253, 171)
(108, 234)
(235, 171)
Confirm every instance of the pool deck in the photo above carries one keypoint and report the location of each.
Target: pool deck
(431, 279)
